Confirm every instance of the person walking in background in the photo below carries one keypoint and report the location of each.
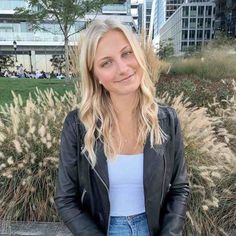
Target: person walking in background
(20, 71)
(122, 169)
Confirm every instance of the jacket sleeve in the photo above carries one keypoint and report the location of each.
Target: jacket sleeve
(175, 203)
(67, 197)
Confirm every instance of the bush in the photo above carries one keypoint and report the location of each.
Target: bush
(29, 138)
(211, 64)
(209, 160)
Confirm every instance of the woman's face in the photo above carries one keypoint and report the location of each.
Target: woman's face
(116, 66)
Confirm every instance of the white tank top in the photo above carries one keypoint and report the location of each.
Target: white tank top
(126, 191)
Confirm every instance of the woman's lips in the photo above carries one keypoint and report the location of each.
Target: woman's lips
(126, 78)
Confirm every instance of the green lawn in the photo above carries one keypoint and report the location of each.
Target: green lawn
(25, 86)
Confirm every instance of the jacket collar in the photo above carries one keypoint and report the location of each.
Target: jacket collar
(153, 162)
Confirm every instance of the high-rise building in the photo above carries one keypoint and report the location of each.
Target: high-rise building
(191, 25)
(146, 9)
(172, 6)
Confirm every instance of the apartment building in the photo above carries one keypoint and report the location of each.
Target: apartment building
(191, 25)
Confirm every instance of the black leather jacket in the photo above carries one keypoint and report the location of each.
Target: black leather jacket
(82, 192)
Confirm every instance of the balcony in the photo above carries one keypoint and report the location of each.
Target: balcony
(115, 8)
(35, 38)
(11, 5)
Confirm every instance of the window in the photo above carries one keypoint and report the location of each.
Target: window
(193, 23)
(185, 11)
(184, 34)
(193, 11)
(185, 23)
(168, 14)
(199, 23)
(199, 34)
(200, 10)
(183, 46)
(208, 10)
(208, 23)
(192, 34)
(191, 44)
(148, 11)
(207, 34)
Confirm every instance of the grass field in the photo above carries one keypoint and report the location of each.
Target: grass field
(26, 86)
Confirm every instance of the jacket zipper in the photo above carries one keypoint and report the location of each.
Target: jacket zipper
(83, 194)
(105, 188)
(163, 181)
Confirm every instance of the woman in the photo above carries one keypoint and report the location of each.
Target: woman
(122, 170)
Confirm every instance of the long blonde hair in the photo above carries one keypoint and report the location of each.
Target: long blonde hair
(96, 109)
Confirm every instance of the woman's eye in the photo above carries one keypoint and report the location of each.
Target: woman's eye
(127, 53)
(106, 63)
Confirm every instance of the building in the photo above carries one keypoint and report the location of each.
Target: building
(159, 16)
(172, 6)
(190, 26)
(134, 11)
(145, 11)
(35, 49)
(226, 17)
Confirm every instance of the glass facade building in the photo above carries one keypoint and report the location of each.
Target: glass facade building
(192, 25)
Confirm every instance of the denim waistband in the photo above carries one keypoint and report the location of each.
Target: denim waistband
(133, 218)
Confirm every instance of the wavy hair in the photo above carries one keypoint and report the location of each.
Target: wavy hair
(96, 109)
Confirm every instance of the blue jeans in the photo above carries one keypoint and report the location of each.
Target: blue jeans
(135, 225)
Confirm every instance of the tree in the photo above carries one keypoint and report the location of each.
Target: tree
(58, 62)
(6, 61)
(63, 12)
(166, 49)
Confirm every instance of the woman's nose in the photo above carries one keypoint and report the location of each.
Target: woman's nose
(122, 67)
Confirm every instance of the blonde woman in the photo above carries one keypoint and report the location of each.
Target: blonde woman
(122, 169)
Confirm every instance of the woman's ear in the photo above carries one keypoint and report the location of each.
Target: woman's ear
(96, 78)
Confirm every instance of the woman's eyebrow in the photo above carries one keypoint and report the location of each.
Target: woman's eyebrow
(127, 46)
(104, 58)
(107, 57)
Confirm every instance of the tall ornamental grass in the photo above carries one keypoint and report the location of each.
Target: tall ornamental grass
(211, 64)
(211, 168)
(29, 139)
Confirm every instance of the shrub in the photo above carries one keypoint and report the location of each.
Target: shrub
(212, 64)
(29, 137)
(209, 160)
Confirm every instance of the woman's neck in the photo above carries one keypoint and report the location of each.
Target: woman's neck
(125, 105)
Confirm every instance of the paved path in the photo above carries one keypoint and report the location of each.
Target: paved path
(33, 228)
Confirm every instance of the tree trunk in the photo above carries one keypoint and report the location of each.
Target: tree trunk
(67, 69)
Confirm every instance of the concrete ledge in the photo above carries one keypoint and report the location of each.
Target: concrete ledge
(33, 228)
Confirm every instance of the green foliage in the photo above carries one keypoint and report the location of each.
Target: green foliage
(166, 49)
(6, 61)
(63, 12)
(199, 91)
(58, 62)
(221, 40)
